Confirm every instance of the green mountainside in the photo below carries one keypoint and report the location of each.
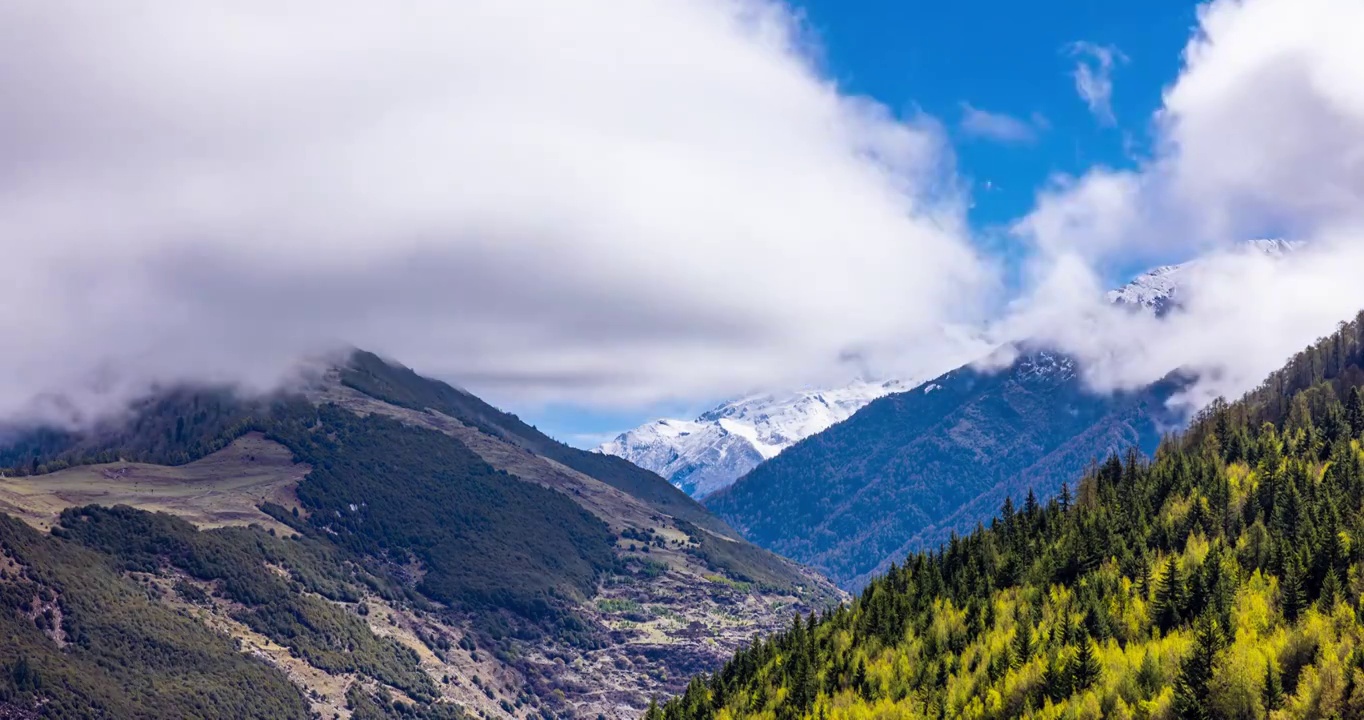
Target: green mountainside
(400, 386)
(1221, 579)
(381, 545)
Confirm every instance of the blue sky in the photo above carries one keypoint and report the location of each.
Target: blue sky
(1012, 58)
(997, 56)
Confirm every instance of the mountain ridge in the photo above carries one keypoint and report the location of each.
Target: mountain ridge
(705, 455)
(909, 469)
(470, 556)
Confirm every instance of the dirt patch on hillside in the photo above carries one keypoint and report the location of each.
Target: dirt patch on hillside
(221, 489)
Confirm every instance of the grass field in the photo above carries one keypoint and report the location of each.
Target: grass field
(224, 488)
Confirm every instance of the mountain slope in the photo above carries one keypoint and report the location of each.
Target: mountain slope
(456, 558)
(894, 475)
(710, 453)
(704, 455)
(909, 469)
(401, 386)
(1218, 580)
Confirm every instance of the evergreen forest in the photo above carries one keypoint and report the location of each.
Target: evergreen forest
(1220, 578)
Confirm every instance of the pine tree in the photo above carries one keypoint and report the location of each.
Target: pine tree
(1065, 497)
(1272, 695)
(1171, 597)
(1084, 668)
(1191, 689)
(1022, 644)
(1354, 412)
(1330, 591)
(1291, 594)
(1055, 680)
(1148, 674)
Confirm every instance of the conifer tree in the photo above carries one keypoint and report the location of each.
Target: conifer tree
(1022, 644)
(1170, 596)
(1272, 695)
(1354, 412)
(1084, 668)
(1055, 679)
(1330, 591)
(1191, 689)
(1292, 596)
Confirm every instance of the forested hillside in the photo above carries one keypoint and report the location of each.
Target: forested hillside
(395, 548)
(1223, 578)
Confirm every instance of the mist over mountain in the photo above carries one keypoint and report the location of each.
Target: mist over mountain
(910, 469)
(376, 534)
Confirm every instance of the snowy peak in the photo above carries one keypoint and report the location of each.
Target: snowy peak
(1154, 289)
(709, 453)
(1159, 289)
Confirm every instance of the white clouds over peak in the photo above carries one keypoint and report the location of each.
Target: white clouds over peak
(606, 202)
(591, 202)
(1261, 134)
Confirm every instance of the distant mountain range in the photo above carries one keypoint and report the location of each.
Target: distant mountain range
(707, 454)
(911, 468)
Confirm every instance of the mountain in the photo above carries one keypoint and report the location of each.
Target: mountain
(1159, 289)
(911, 468)
(704, 455)
(709, 453)
(376, 545)
(1220, 579)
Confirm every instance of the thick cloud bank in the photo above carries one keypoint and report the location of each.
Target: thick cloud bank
(593, 201)
(622, 202)
(1261, 134)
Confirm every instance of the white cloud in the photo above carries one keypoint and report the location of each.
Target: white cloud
(590, 202)
(1262, 133)
(999, 127)
(1094, 76)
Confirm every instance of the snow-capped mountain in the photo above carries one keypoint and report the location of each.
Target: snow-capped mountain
(1159, 289)
(703, 455)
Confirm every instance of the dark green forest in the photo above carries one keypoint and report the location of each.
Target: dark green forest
(1220, 579)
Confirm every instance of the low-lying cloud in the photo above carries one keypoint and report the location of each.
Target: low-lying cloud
(1261, 134)
(622, 203)
(592, 202)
